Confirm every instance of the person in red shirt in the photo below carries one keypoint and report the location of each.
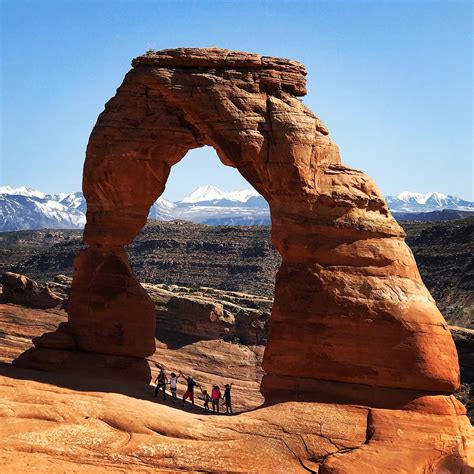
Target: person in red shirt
(190, 390)
(216, 395)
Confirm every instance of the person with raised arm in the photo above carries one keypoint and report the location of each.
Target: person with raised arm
(190, 389)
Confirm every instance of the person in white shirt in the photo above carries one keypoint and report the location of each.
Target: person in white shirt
(173, 386)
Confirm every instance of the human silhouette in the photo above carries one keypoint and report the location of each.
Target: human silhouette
(206, 398)
(228, 399)
(161, 382)
(173, 386)
(190, 389)
(215, 397)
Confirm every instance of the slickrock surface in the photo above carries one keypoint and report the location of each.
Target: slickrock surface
(73, 422)
(187, 318)
(49, 428)
(209, 361)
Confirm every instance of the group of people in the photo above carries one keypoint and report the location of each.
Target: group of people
(214, 397)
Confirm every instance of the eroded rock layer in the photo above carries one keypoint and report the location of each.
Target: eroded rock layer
(346, 275)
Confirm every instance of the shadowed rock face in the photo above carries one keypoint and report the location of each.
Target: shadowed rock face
(350, 307)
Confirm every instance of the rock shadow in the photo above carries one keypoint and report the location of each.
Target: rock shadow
(95, 382)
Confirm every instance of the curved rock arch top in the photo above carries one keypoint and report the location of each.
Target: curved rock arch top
(350, 306)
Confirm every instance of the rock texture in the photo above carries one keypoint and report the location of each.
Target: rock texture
(20, 289)
(206, 313)
(77, 422)
(56, 428)
(210, 361)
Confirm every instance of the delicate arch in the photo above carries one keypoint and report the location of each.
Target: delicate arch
(350, 306)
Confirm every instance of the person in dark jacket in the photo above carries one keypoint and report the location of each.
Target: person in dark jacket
(228, 399)
(161, 382)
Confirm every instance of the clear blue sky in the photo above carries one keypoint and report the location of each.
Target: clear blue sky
(392, 80)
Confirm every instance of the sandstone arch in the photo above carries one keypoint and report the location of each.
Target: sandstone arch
(350, 307)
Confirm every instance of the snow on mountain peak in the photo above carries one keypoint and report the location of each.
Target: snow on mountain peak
(204, 193)
(420, 198)
(164, 203)
(213, 193)
(26, 208)
(242, 196)
(427, 202)
(22, 191)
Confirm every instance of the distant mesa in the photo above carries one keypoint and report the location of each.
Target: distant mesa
(26, 209)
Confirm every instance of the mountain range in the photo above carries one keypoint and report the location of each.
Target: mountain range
(25, 208)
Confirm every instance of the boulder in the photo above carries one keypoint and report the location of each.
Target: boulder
(19, 289)
(206, 314)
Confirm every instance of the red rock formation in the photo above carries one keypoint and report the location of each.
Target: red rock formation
(208, 361)
(352, 322)
(347, 275)
(20, 289)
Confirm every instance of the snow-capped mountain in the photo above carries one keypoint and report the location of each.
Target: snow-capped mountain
(204, 194)
(23, 191)
(25, 208)
(427, 202)
(213, 194)
(211, 205)
(162, 210)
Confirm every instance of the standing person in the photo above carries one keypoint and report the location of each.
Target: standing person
(206, 398)
(173, 386)
(190, 390)
(161, 382)
(228, 399)
(215, 397)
